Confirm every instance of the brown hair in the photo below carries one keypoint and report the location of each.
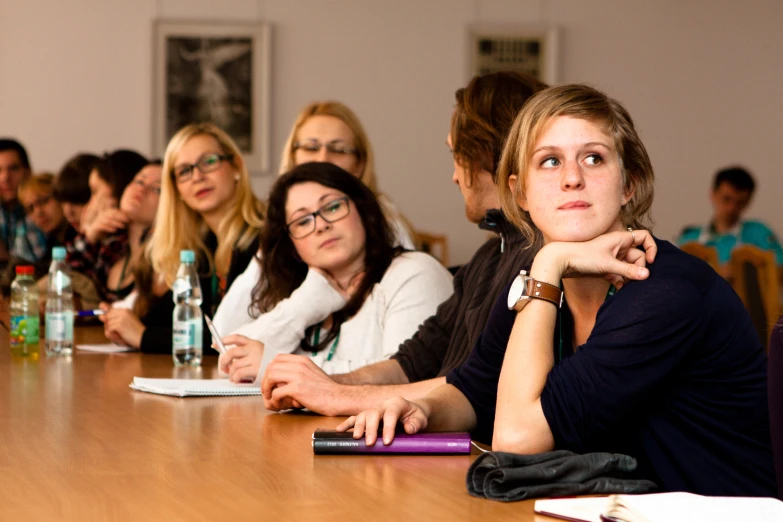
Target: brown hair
(483, 116)
(586, 103)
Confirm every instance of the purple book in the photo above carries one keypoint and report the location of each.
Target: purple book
(330, 442)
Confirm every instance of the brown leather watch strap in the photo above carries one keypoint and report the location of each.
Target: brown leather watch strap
(541, 290)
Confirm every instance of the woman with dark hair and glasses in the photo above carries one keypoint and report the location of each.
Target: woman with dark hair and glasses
(332, 284)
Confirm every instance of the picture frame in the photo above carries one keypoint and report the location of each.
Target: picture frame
(530, 49)
(215, 72)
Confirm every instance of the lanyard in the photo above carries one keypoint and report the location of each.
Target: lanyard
(612, 290)
(317, 336)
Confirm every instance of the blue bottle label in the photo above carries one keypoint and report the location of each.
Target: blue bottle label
(186, 333)
(59, 326)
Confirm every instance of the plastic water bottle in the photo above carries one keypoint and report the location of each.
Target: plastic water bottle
(186, 340)
(24, 313)
(59, 307)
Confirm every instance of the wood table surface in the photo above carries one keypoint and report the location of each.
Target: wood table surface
(77, 444)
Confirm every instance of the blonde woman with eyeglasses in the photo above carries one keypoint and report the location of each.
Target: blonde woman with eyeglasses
(331, 132)
(206, 205)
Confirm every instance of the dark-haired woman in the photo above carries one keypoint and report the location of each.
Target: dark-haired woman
(102, 245)
(333, 285)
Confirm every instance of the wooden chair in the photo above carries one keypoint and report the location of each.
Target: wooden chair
(436, 245)
(703, 252)
(755, 279)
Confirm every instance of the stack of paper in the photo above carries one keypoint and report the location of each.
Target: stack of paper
(661, 507)
(193, 387)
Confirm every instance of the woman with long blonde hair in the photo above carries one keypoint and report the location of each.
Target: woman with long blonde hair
(328, 131)
(206, 205)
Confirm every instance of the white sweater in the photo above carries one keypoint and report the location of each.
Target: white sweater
(409, 292)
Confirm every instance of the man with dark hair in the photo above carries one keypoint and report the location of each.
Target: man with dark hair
(731, 193)
(483, 115)
(19, 237)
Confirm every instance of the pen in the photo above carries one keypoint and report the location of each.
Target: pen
(89, 313)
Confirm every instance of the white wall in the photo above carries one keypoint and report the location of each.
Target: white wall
(702, 78)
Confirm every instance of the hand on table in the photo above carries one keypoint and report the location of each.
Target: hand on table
(295, 381)
(243, 361)
(121, 326)
(411, 415)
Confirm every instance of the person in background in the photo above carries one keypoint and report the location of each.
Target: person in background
(37, 199)
(612, 341)
(72, 187)
(206, 205)
(334, 286)
(330, 131)
(483, 114)
(19, 237)
(102, 245)
(731, 194)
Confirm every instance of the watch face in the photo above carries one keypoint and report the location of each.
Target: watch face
(516, 290)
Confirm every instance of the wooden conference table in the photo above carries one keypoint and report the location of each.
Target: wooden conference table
(77, 444)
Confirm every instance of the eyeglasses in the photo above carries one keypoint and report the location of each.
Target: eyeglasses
(40, 202)
(155, 189)
(333, 211)
(335, 147)
(206, 164)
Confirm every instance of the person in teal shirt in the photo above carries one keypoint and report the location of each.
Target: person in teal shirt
(732, 191)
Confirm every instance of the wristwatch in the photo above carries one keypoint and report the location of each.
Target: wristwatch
(525, 288)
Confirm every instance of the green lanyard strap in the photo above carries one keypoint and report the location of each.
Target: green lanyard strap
(317, 336)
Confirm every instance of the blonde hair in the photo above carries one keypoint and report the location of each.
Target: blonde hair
(364, 153)
(178, 227)
(42, 183)
(586, 103)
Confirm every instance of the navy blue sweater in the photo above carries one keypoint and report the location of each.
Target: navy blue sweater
(672, 374)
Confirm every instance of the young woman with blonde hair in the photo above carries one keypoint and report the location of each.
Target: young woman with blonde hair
(613, 340)
(329, 131)
(206, 205)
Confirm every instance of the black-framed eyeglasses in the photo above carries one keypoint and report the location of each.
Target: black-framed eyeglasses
(335, 147)
(40, 202)
(333, 211)
(206, 164)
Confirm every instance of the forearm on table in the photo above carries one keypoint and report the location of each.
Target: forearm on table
(350, 400)
(383, 372)
(447, 409)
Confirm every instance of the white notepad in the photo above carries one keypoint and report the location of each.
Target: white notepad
(193, 387)
(662, 507)
(105, 348)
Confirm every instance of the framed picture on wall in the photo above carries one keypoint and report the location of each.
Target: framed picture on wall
(218, 73)
(529, 50)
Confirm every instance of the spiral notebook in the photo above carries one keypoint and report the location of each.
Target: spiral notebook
(661, 507)
(193, 387)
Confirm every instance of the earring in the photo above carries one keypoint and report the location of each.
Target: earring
(236, 176)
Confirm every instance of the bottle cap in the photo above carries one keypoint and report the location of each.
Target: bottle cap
(25, 270)
(187, 256)
(58, 253)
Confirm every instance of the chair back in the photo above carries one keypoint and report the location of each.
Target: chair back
(706, 253)
(435, 245)
(755, 279)
(775, 399)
